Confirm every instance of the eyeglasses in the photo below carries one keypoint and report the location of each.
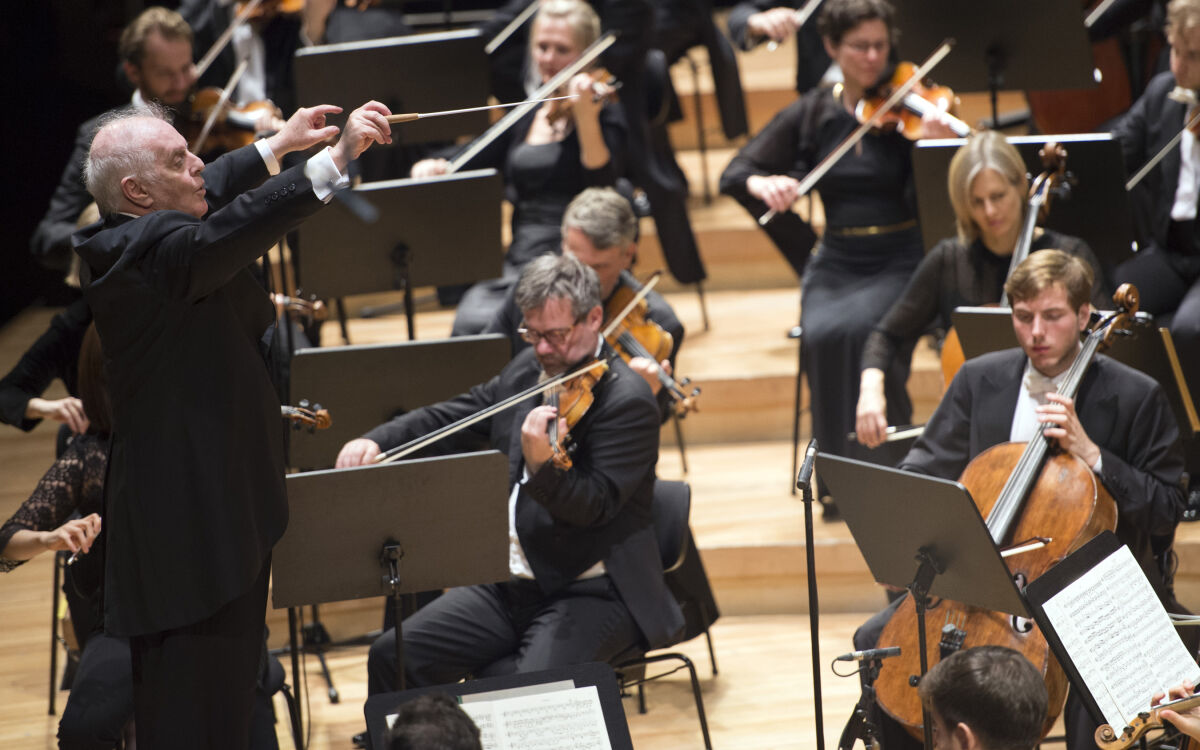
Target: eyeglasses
(555, 336)
(863, 48)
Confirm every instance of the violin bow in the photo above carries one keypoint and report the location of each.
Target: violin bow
(219, 106)
(813, 177)
(585, 58)
(226, 35)
(801, 15)
(1193, 120)
(412, 446)
(512, 27)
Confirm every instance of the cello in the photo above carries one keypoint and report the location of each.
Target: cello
(1025, 493)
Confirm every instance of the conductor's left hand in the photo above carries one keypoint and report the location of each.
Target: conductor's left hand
(366, 125)
(304, 129)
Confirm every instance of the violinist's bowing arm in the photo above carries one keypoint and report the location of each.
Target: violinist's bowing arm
(357, 452)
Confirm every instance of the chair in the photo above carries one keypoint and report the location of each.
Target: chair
(685, 577)
(273, 682)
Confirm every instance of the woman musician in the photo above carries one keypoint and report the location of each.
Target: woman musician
(987, 186)
(872, 242)
(545, 160)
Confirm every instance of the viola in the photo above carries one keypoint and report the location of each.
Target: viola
(632, 334)
(1025, 493)
(572, 400)
(212, 125)
(1147, 721)
(904, 117)
(604, 89)
(311, 415)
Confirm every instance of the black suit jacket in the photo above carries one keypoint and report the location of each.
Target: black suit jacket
(51, 241)
(1122, 410)
(1150, 123)
(598, 510)
(195, 488)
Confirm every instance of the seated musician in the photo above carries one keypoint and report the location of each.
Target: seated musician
(545, 161)
(987, 186)
(156, 56)
(1187, 720)
(985, 698)
(586, 579)
(1166, 269)
(600, 229)
(1119, 424)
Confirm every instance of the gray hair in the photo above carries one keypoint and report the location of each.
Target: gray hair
(121, 155)
(548, 277)
(604, 217)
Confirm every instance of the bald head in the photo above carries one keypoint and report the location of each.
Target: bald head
(139, 163)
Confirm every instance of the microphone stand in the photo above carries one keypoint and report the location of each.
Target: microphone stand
(804, 484)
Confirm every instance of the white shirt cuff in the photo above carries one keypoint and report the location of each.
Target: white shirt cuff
(1096, 467)
(324, 175)
(268, 156)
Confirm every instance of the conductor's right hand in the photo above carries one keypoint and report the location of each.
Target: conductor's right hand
(778, 191)
(366, 125)
(357, 452)
(427, 168)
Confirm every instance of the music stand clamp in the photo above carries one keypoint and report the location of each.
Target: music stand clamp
(389, 562)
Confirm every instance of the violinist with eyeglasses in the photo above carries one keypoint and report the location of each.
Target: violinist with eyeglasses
(586, 582)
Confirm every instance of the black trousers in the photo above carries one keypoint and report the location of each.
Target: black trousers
(504, 628)
(101, 701)
(194, 686)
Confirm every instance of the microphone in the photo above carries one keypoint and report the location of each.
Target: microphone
(806, 469)
(869, 654)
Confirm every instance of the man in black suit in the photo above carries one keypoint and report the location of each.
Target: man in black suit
(1119, 424)
(156, 57)
(586, 579)
(600, 229)
(195, 495)
(1167, 268)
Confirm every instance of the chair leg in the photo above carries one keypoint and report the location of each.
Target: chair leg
(294, 716)
(54, 634)
(712, 655)
(696, 695)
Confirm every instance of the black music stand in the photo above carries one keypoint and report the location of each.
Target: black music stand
(389, 530)
(1096, 209)
(435, 232)
(378, 707)
(940, 528)
(1002, 44)
(1150, 349)
(418, 73)
(387, 379)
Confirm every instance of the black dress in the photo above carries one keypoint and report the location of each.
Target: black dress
(54, 355)
(540, 180)
(953, 275)
(856, 273)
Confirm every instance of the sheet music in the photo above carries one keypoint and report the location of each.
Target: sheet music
(558, 720)
(1119, 636)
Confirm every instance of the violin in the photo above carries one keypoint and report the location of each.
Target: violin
(268, 9)
(232, 126)
(632, 334)
(1025, 491)
(312, 415)
(572, 400)
(1147, 721)
(604, 89)
(310, 310)
(923, 97)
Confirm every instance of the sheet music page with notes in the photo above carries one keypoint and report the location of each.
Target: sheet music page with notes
(1120, 638)
(556, 720)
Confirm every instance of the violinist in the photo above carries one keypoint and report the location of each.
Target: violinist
(872, 243)
(156, 55)
(1119, 424)
(546, 160)
(1167, 267)
(987, 186)
(600, 229)
(585, 581)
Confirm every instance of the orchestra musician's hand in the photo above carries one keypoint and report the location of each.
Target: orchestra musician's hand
(589, 97)
(304, 129)
(68, 410)
(1063, 425)
(535, 439)
(1187, 722)
(76, 535)
(936, 123)
(357, 452)
(648, 369)
(366, 125)
(427, 168)
(775, 24)
(870, 418)
(778, 191)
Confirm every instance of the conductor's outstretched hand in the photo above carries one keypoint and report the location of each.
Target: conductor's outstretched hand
(366, 125)
(304, 129)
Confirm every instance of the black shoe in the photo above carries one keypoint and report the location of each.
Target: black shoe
(1191, 509)
(795, 332)
(360, 739)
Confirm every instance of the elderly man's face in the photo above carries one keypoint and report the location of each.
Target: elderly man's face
(176, 183)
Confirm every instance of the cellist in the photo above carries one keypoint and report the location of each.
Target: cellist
(1119, 424)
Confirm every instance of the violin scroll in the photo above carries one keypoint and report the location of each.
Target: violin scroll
(1107, 737)
(311, 415)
